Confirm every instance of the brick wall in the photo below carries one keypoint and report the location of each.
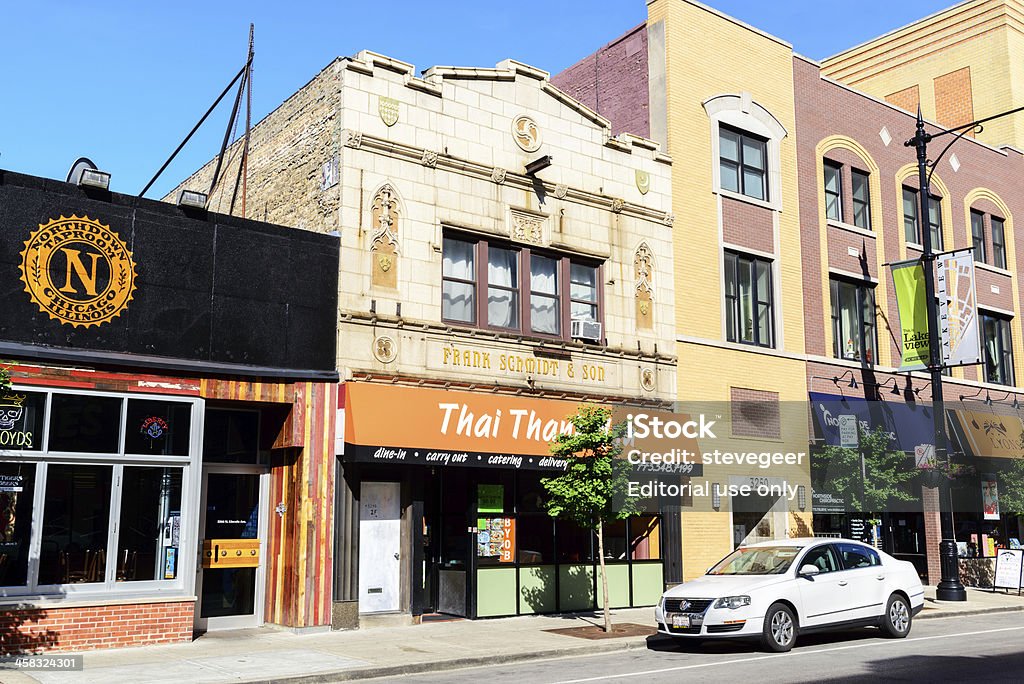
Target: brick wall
(33, 630)
(954, 102)
(613, 81)
(755, 413)
(908, 98)
(748, 225)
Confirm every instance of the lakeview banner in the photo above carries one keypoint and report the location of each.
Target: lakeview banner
(908, 279)
(958, 308)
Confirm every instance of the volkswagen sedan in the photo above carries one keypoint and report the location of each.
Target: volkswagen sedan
(774, 591)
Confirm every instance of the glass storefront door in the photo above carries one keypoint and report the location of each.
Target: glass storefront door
(230, 584)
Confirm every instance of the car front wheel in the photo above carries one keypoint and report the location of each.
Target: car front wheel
(897, 618)
(779, 632)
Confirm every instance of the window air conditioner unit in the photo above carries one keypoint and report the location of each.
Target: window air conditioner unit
(585, 329)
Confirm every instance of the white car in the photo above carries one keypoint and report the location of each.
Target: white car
(777, 590)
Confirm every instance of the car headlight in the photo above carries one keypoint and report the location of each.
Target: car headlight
(732, 602)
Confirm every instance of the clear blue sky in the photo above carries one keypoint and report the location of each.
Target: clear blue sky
(123, 82)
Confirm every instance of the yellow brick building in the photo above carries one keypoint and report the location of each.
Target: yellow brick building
(961, 64)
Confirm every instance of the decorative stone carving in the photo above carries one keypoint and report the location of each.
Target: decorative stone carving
(385, 349)
(643, 181)
(526, 133)
(353, 139)
(618, 205)
(643, 271)
(429, 158)
(669, 219)
(561, 190)
(648, 379)
(384, 246)
(387, 107)
(498, 175)
(526, 227)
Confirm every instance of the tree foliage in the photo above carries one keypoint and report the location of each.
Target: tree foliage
(1011, 487)
(888, 471)
(595, 480)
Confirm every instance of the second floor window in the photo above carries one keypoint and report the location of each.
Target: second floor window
(748, 300)
(998, 242)
(912, 224)
(853, 321)
(743, 163)
(511, 288)
(978, 235)
(833, 191)
(861, 199)
(998, 350)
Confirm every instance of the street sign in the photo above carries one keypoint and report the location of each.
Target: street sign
(924, 456)
(848, 430)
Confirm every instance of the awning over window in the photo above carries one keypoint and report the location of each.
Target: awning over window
(989, 433)
(909, 424)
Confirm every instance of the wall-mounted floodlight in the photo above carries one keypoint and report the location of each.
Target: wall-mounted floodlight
(192, 199)
(94, 178)
(538, 165)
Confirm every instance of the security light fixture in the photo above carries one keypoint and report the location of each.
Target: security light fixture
(192, 199)
(538, 165)
(94, 178)
(801, 497)
(716, 497)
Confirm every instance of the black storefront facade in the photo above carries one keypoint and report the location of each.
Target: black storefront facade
(149, 417)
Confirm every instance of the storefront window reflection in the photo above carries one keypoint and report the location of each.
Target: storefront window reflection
(76, 518)
(645, 537)
(85, 423)
(157, 427)
(150, 528)
(17, 489)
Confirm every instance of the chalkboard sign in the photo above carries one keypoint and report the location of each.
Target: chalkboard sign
(1008, 569)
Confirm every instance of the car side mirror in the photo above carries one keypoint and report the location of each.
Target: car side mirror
(809, 570)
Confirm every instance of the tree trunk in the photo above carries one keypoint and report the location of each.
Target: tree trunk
(604, 577)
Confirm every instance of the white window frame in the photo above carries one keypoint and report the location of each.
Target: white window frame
(184, 584)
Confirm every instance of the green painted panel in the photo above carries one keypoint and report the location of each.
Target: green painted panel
(648, 583)
(495, 592)
(618, 585)
(575, 587)
(537, 589)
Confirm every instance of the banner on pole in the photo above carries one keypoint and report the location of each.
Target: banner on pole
(908, 279)
(958, 308)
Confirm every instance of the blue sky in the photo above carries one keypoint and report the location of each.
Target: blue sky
(123, 82)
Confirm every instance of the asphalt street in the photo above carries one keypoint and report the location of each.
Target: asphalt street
(979, 648)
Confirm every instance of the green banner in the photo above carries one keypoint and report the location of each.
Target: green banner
(908, 278)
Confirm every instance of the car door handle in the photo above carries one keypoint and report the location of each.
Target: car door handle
(880, 577)
(842, 583)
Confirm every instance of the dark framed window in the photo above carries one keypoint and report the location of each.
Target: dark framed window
(854, 334)
(743, 162)
(458, 286)
(978, 235)
(85, 423)
(521, 290)
(833, 191)
(997, 345)
(998, 242)
(748, 300)
(76, 519)
(861, 199)
(912, 224)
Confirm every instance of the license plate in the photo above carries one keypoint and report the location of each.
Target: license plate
(681, 621)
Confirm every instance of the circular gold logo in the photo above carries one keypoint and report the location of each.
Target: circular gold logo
(78, 271)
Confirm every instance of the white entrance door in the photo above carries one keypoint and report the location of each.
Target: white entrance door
(380, 536)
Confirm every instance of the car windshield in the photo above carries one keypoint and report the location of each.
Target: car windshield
(756, 560)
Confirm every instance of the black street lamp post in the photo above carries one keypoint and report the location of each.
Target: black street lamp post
(950, 588)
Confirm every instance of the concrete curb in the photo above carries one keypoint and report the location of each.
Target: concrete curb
(631, 643)
(596, 648)
(924, 615)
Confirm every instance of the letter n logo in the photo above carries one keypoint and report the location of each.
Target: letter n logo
(74, 258)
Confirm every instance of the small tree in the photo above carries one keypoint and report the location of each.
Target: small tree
(594, 478)
(887, 471)
(1011, 487)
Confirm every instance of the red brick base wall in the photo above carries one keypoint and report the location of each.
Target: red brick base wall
(25, 629)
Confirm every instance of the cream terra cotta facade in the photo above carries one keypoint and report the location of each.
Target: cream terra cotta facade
(393, 162)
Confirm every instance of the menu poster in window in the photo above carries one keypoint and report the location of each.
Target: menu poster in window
(1009, 563)
(170, 562)
(490, 498)
(496, 538)
(10, 487)
(990, 497)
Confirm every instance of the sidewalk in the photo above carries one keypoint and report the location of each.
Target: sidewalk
(271, 655)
